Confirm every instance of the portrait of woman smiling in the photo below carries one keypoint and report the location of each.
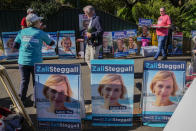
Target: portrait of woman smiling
(66, 45)
(58, 91)
(163, 86)
(112, 88)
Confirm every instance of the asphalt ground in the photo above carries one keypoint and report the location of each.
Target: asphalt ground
(13, 72)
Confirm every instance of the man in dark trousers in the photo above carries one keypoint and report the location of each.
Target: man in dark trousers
(94, 35)
(162, 26)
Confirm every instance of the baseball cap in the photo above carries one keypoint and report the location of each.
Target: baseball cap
(33, 17)
(30, 10)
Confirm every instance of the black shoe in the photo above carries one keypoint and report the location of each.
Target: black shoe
(155, 58)
(164, 58)
(27, 102)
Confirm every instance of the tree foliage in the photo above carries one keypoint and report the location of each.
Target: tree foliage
(45, 9)
(14, 4)
(183, 16)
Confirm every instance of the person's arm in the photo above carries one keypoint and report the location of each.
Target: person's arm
(168, 26)
(99, 30)
(17, 41)
(46, 39)
(80, 40)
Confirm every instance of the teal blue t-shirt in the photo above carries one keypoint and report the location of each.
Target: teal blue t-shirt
(31, 40)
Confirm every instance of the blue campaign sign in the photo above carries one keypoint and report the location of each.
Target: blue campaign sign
(163, 86)
(112, 92)
(57, 95)
(49, 51)
(193, 33)
(67, 44)
(131, 33)
(165, 65)
(119, 39)
(8, 41)
(145, 22)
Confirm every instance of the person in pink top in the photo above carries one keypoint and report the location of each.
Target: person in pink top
(164, 22)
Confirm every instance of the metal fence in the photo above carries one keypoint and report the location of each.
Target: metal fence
(64, 19)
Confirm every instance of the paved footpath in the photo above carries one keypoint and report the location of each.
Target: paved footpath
(12, 69)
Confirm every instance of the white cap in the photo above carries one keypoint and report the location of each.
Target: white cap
(33, 17)
(30, 10)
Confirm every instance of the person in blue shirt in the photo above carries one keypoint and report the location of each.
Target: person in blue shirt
(29, 41)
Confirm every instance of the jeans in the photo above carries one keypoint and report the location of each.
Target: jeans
(25, 72)
(161, 46)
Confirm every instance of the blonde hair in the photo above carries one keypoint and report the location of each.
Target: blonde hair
(164, 75)
(54, 80)
(10, 42)
(109, 78)
(66, 39)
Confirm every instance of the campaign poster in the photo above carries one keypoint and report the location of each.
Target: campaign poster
(191, 69)
(2, 55)
(145, 22)
(67, 44)
(177, 41)
(163, 87)
(49, 51)
(120, 43)
(83, 26)
(193, 33)
(57, 95)
(144, 37)
(83, 22)
(107, 50)
(8, 41)
(112, 87)
(132, 42)
(194, 51)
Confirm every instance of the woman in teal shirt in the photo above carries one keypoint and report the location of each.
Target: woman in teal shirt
(29, 42)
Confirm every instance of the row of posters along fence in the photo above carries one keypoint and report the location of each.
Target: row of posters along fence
(59, 95)
(115, 44)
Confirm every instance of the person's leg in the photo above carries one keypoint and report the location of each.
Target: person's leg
(159, 38)
(25, 77)
(87, 54)
(163, 47)
(33, 74)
